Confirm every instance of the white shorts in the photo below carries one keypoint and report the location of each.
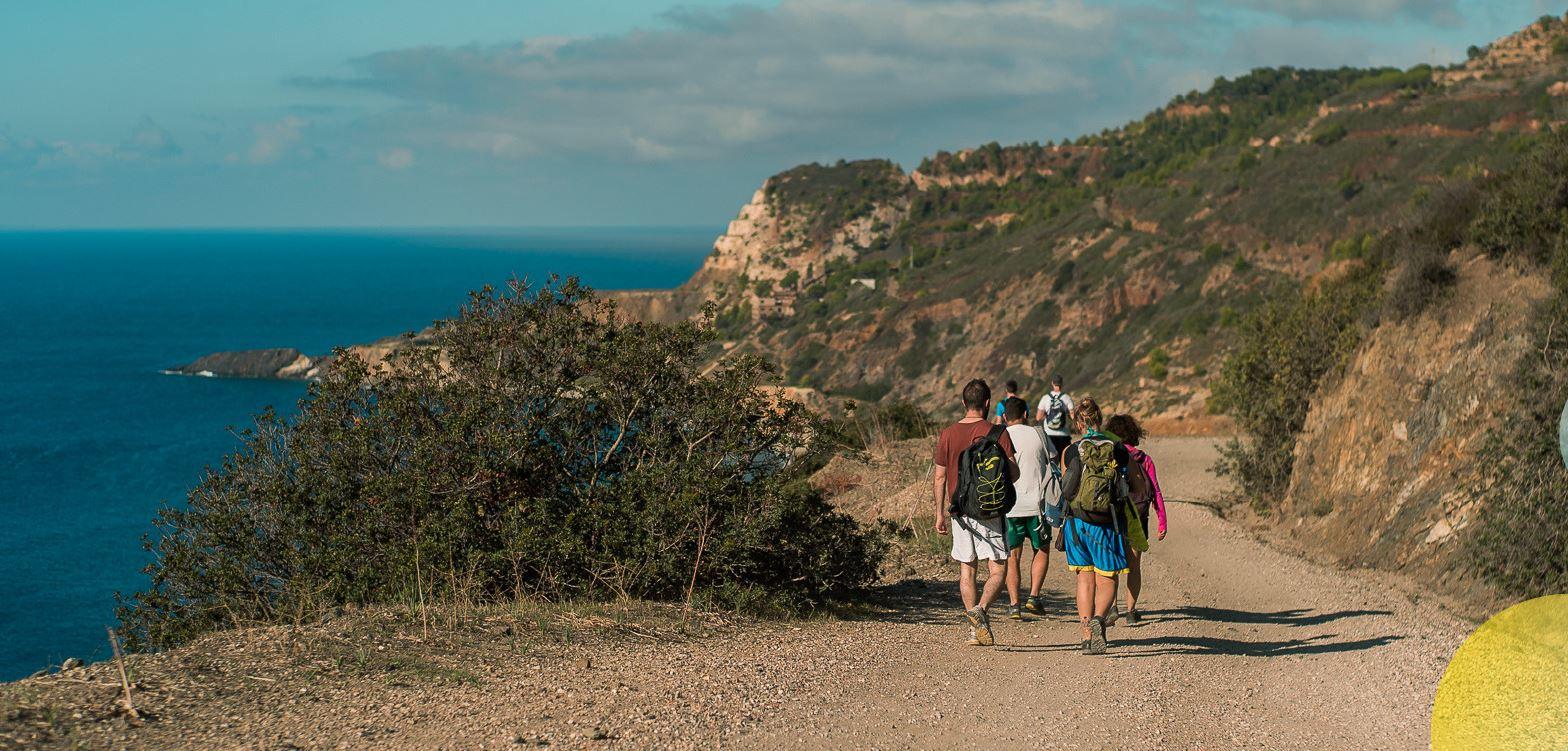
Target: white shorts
(978, 539)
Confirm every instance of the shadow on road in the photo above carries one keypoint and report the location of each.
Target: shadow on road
(1213, 645)
(932, 602)
(1294, 617)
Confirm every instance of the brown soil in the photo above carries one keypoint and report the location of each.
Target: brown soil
(1242, 646)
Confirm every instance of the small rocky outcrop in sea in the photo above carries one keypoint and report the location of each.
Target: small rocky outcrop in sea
(283, 362)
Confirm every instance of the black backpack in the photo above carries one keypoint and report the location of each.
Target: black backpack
(1056, 416)
(985, 491)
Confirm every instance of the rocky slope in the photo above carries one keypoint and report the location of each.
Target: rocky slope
(1384, 466)
(1121, 260)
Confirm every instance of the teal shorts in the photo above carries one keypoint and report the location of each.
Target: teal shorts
(1020, 527)
(1091, 547)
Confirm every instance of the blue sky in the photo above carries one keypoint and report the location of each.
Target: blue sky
(598, 112)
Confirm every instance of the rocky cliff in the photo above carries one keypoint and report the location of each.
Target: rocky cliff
(1389, 451)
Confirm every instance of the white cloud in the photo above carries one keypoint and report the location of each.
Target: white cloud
(1443, 12)
(273, 141)
(149, 141)
(397, 158)
(712, 83)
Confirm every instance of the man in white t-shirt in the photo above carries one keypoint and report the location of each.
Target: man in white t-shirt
(1056, 415)
(1035, 488)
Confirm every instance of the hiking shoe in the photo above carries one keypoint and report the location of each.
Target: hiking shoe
(1035, 605)
(983, 636)
(1111, 616)
(1133, 618)
(1084, 647)
(979, 628)
(1096, 637)
(1014, 612)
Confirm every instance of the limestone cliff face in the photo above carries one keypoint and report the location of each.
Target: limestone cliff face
(787, 236)
(1382, 464)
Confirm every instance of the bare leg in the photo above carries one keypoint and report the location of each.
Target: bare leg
(1085, 599)
(966, 584)
(1104, 594)
(993, 583)
(1038, 568)
(1134, 577)
(1014, 557)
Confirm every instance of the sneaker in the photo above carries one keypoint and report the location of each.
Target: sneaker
(1096, 637)
(1035, 604)
(979, 628)
(1014, 612)
(983, 636)
(1111, 616)
(1084, 647)
(1133, 618)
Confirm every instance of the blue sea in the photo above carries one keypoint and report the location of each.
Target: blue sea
(93, 438)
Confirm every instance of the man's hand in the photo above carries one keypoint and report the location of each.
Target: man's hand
(1161, 534)
(941, 524)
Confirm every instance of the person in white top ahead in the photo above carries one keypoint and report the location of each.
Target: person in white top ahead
(1056, 415)
(1039, 490)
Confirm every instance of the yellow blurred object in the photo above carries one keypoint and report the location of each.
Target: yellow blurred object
(1507, 685)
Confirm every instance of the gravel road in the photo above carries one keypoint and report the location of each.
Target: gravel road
(1242, 646)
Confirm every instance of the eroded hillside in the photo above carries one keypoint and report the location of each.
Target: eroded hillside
(1121, 260)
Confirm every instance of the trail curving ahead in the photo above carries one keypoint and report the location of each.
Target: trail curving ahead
(1242, 646)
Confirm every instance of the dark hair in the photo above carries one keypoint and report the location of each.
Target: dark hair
(1012, 387)
(1087, 411)
(1013, 408)
(976, 394)
(1125, 427)
(1056, 380)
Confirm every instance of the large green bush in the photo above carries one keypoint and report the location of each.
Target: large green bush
(543, 448)
(1284, 349)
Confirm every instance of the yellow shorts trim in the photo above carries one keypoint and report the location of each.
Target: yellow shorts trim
(1100, 571)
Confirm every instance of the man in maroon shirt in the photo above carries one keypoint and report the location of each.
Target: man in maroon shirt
(973, 539)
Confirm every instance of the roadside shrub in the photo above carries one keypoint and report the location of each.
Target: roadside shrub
(1524, 211)
(1283, 351)
(1519, 542)
(1418, 283)
(870, 424)
(543, 448)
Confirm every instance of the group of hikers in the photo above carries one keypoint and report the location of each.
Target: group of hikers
(1001, 480)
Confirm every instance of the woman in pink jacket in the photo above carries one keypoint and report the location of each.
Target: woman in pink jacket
(1127, 429)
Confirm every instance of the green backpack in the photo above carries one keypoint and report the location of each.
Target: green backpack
(1097, 486)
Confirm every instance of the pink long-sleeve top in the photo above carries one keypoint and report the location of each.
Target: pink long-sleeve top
(1154, 481)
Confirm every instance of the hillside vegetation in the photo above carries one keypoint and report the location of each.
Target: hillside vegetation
(1123, 260)
(1268, 249)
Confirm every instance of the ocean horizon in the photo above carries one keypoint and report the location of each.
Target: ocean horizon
(95, 436)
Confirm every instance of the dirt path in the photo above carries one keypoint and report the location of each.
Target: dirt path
(1243, 646)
